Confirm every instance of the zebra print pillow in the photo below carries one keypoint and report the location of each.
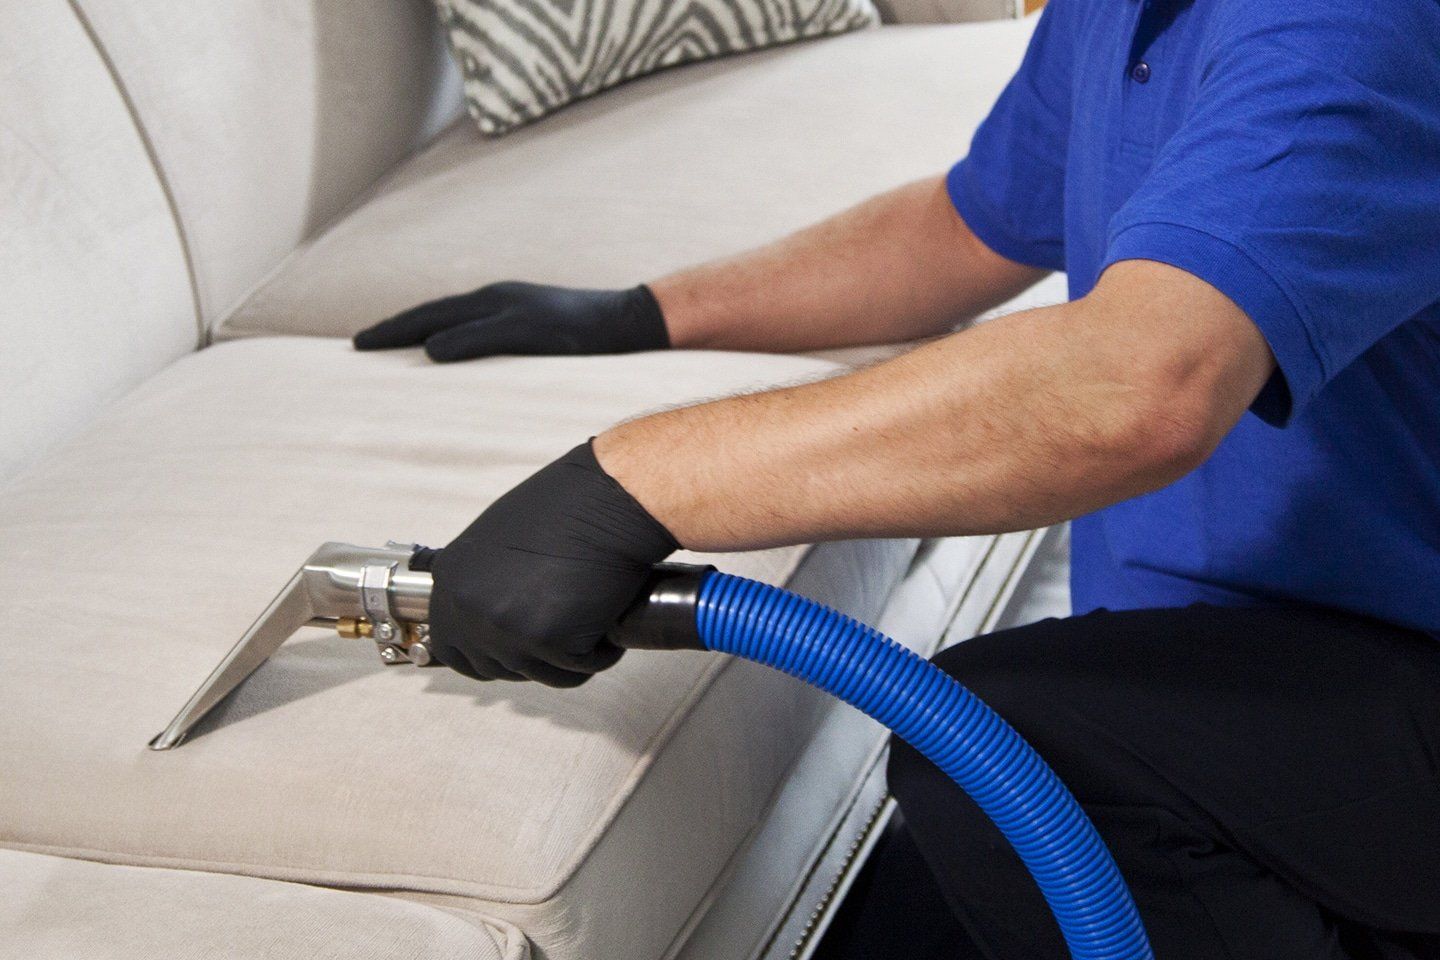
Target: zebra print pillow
(523, 59)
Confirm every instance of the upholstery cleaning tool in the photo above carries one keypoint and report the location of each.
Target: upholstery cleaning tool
(383, 595)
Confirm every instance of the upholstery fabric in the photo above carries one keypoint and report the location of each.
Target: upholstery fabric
(93, 288)
(61, 909)
(524, 60)
(1044, 589)
(269, 116)
(669, 170)
(148, 544)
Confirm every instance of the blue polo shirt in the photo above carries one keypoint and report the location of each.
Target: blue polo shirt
(1288, 153)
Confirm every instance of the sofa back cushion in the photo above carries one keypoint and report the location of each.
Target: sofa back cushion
(158, 159)
(670, 170)
(94, 295)
(522, 60)
(269, 116)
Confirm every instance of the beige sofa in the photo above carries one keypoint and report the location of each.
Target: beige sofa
(262, 178)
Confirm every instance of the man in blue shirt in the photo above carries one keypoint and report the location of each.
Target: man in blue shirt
(1237, 408)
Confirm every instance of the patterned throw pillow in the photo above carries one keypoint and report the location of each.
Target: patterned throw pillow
(523, 59)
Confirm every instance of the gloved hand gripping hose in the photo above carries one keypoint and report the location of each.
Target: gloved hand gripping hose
(928, 709)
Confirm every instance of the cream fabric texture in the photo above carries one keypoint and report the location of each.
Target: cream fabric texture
(62, 909)
(660, 174)
(149, 543)
(522, 59)
(93, 290)
(1044, 590)
(269, 116)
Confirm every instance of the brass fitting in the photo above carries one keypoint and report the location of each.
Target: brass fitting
(352, 628)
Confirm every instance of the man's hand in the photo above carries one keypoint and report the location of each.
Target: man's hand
(530, 589)
(525, 319)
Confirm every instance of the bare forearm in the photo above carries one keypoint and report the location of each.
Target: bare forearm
(1031, 419)
(899, 266)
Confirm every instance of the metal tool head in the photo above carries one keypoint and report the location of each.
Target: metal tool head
(371, 592)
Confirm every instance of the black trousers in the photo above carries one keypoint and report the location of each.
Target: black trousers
(1268, 781)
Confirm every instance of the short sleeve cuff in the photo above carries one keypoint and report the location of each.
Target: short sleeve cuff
(992, 231)
(1234, 273)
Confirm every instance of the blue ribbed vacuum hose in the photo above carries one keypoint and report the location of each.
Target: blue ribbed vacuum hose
(935, 714)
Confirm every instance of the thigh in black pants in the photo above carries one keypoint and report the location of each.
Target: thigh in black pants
(1268, 781)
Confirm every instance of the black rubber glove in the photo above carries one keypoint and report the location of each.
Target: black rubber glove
(525, 319)
(530, 588)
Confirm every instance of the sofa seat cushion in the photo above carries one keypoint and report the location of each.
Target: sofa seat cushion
(673, 169)
(60, 909)
(133, 557)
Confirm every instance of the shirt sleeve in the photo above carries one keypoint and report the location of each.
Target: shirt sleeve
(1305, 184)
(1010, 188)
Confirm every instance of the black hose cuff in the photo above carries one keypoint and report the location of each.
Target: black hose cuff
(663, 616)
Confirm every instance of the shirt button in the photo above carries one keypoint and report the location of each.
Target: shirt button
(1140, 73)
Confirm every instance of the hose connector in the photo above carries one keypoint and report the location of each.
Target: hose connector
(663, 616)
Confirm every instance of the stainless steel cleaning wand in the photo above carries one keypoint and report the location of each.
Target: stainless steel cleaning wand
(359, 591)
(383, 594)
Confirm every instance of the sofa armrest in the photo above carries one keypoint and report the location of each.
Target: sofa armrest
(950, 11)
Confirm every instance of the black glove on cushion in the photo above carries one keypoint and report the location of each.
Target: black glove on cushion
(530, 588)
(525, 319)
